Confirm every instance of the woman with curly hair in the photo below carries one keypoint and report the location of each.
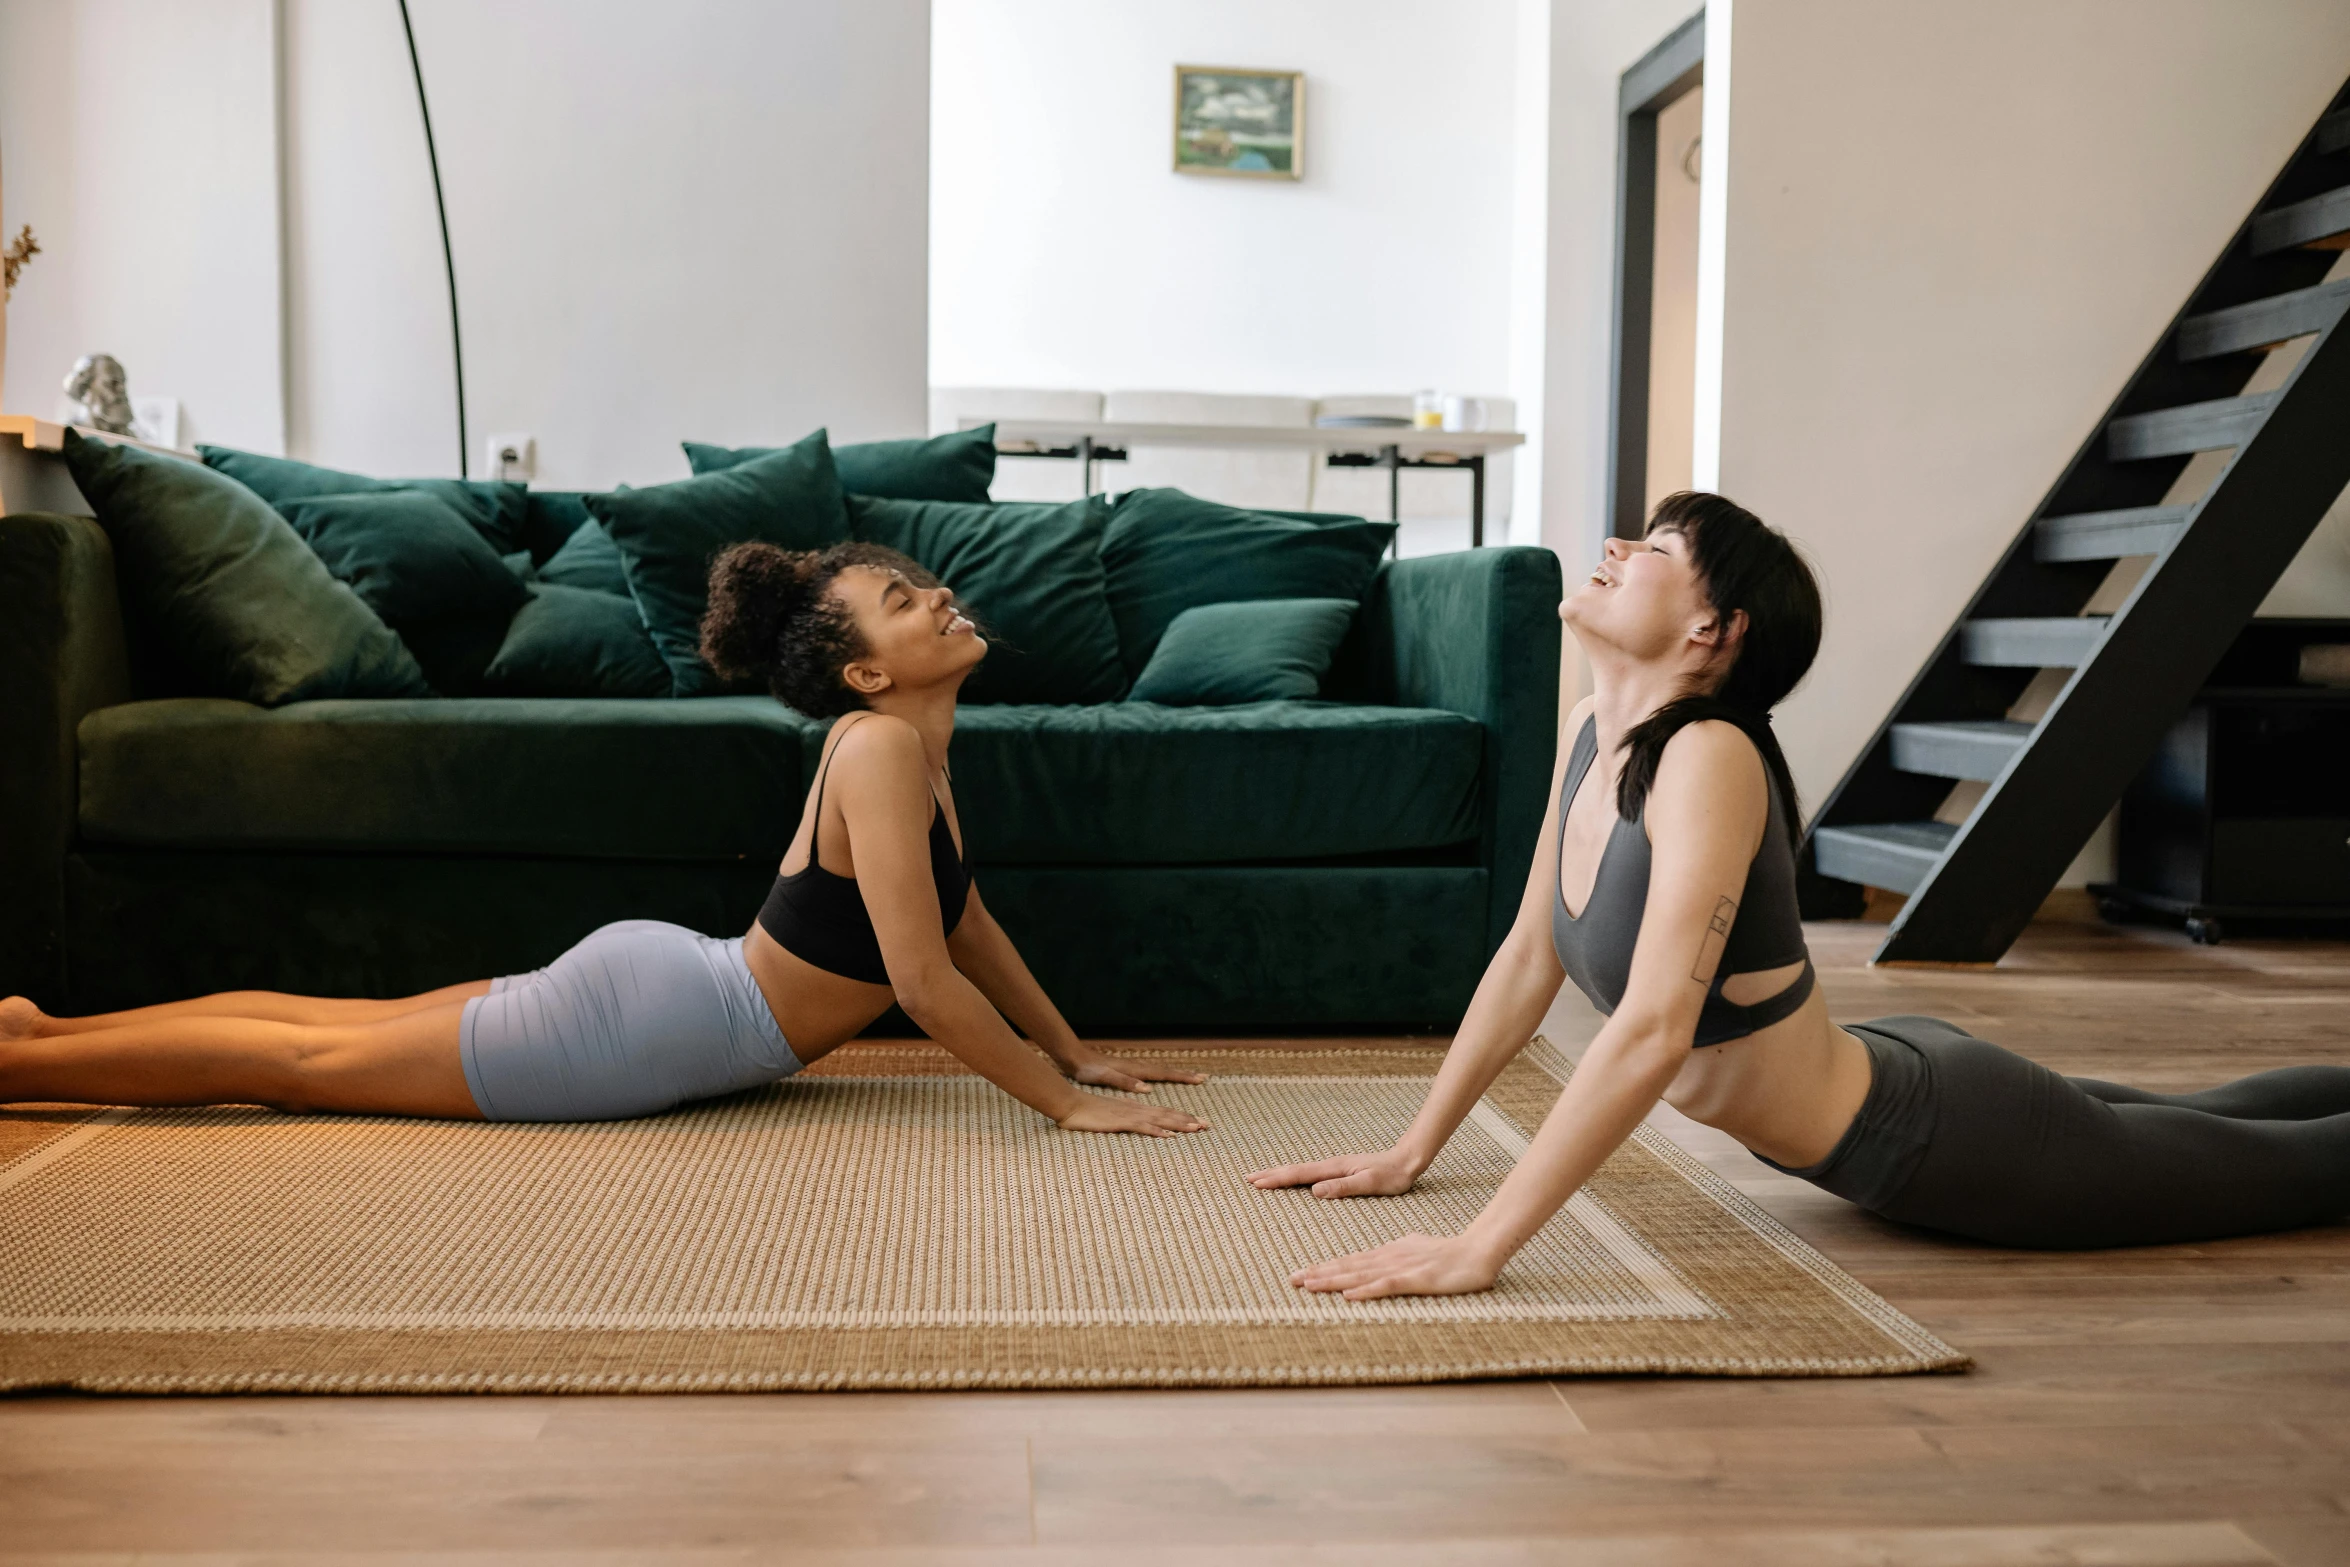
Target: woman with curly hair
(874, 903)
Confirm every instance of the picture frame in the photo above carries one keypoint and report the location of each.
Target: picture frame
(1240, 122)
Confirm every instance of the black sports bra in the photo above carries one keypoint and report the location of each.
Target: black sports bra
(1596, 946)
(821, 918)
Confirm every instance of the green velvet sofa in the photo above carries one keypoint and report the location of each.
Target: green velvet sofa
(1348, 862)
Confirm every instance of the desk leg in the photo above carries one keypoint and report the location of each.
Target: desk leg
(1391, 458)
(1085, 460)
(1477, 502)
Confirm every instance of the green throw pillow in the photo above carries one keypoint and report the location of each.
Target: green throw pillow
(1264, 650)
(408, 554)
(498, 509)
(550, 518)
(454, 653)
(957, 467)
(588, 559)
(1165, 552)
(576, 642)
(669, 534)
(1030, 573)
(225, 590)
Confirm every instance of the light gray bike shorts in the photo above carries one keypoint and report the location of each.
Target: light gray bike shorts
(638, 1018)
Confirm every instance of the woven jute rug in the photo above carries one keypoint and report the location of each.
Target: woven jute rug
(884, 1221)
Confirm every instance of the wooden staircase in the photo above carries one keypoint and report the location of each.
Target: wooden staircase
(2050, 773)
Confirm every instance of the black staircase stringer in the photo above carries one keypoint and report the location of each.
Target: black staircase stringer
(2157, 651)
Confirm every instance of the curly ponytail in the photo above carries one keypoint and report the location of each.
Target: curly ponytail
(1743, 565)
(772, 619)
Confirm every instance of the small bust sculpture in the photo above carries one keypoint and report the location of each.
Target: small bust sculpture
(98, 384)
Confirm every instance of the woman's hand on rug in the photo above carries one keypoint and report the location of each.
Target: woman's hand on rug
(1411, 1265)
(1134, 1077)
(1382, 1174)
(1096, 1114)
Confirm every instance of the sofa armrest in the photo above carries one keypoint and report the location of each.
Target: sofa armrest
(1477, 633)
(61, 655)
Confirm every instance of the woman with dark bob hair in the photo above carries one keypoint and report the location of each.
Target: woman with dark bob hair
(872, 904)
(1666, 891)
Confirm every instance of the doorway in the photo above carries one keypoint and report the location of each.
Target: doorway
(1660, 166)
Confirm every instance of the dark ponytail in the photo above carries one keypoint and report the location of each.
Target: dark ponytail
(772, 620)
(1742, 565)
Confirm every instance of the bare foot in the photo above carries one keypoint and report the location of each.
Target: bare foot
(19, 1018)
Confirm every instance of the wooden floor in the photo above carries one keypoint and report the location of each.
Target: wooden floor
(2189, 1405)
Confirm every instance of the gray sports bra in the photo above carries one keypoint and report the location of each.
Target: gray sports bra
(1596, 946)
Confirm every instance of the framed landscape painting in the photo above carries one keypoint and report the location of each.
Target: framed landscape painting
(1234, 121)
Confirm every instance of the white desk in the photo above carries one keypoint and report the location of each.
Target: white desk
(1393, 448)
(33, 475)
(32, 471)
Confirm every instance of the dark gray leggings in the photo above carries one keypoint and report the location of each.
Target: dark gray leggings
(1960, 1135)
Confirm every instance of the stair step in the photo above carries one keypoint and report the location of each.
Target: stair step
(1963, 748)
(2303, 223)
(2333, 132)
(2192, 427)
(2109, 535)
(2263, 323)
(1897, 856)
(2052, 642)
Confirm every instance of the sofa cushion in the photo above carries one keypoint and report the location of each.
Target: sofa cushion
(223, 595)
(412, 558)
(1165, 552)
(714, 780)
(669, 533)
(1031, 574)
(1132, 783)
(550, 518)
(588, 559)
(1265, 650)
(456, 653)
(723, 779)
(408, 554)
(576, 642)
(954, 467)
(495, 507)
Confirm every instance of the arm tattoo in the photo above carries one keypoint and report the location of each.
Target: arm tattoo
(1717, 937)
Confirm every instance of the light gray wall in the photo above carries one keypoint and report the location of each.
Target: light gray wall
(138, 138)
(1067, 252)
(706, 219)
(1951, 233)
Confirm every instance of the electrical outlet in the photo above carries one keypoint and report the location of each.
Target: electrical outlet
(513, 457)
